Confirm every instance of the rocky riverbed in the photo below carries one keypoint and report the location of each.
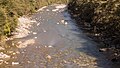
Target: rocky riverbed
(51, 39)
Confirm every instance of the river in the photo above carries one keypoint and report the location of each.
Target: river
(55, 42)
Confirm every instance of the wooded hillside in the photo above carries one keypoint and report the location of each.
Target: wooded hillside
(101, 18)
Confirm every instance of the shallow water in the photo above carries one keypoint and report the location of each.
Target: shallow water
(55, 42)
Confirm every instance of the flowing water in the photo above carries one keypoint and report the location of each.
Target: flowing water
(55, 42)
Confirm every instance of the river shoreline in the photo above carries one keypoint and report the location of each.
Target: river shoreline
(22, 30)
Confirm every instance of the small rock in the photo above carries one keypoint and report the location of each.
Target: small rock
(23, 52)
(62, 21)
(38, 24)
(33, 21)
(74, 61)
(25, 43)
(36, 47)
(58, 23)
(47, 10)
(35, 37)
(50, 46)
(28, 61)
(97, 34)
(19, 42)
(44, 31)
(34, 32)
(54, 10)
(4, 56)
(83, 64)
(17, 52)
(49, 57)
(14, 53)
(66, 23)
(15, 63)
(22, 46)
(102, 49)
(1, 48)
(64, 61)
(1, 62)
(6, 62)
(13, 44)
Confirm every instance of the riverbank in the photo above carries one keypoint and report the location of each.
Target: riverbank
(22, 30)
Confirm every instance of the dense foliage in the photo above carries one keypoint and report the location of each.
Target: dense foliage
(10, 10)
(101, 18)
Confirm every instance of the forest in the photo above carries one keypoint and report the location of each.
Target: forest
(100, 19)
